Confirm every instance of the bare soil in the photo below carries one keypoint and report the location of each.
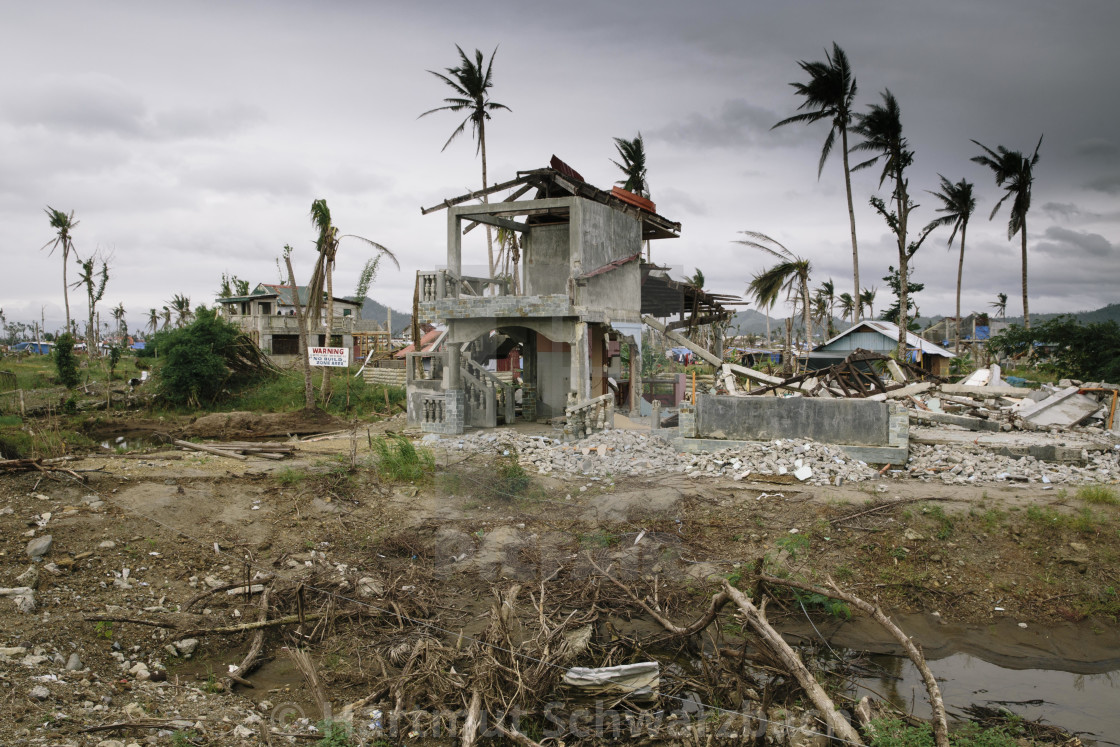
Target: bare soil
(424, 588)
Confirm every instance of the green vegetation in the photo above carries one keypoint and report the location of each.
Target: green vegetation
(601, 538)
(182, 738)
(399, 460)
(889, 732)
(284, 393)
(65, 362)
(1098, 494)
(510, 478)
(1083, 351)
(104, 629)
(202, 360)
(335, 734)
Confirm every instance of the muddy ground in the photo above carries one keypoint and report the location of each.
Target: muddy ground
(409, 595)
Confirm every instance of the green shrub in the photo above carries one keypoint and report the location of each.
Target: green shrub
(1098, 494)
(890, 732)
(65, 362)
(400, 461)
(335, 734)
(200, 361)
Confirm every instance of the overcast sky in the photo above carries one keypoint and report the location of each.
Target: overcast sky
(191, 138)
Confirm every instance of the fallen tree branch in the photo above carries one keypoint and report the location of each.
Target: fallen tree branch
(756, 620)
(307, 668)
(209, 450)
(913, 650)
(238, 674)
(716, 604)
(889, 504)
(180, 626)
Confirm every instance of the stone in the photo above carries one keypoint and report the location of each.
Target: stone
(39, 692)
(29, 578)
(74, 663)
(39, 546)
(186, 647)
(107, 545)
(803, 472)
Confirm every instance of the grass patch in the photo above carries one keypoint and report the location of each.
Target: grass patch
(944, 523)
(399, 460)
(1101, 494)
(601, 538)
(891, 732)
(284, 393)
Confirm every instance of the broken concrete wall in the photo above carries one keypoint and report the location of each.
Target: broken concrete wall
(871, 431)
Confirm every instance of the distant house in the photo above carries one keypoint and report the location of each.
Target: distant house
(268, 316)
(41, 348)
(881, 337)
(974, 328)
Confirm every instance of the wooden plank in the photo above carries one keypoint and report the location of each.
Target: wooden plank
(210, 450)
(683, 341)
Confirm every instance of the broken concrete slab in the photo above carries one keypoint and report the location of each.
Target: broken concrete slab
(906, 391)
(1066, 408)
(986, 391)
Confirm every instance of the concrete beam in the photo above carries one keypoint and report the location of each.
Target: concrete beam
(682, 341)
(972, 424)
(990, 392)
(906, 391)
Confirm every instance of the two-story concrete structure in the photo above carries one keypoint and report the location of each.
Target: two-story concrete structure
(268, 316)
(581, 280)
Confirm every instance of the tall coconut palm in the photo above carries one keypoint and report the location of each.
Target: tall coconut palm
(867, 301)
(181, 305)
(881, 129)
(827, 291)
(153, 321)
(791, 274)
(118, 317)
(958, 205)
(633, 155)
(829, 95)
(166, 317)
(1000, 305)
(471, 81)
(322, 277)
(94, 281)
(1015, 173)
(63, 224)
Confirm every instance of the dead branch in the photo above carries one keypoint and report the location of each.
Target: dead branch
(139, 724)
(210, 450)
(307, 668)
(882, 506)
(756, 620)
(913, 650)
(224, 587)
(474, 714)
(716, 604)
(517, 737)
(238, 675)
(180, 626)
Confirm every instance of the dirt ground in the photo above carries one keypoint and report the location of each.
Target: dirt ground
(408, 596)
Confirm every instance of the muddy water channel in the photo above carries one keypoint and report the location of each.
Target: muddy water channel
(1067, 675)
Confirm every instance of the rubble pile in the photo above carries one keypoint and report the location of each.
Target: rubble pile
(952, 465)
(628, 452)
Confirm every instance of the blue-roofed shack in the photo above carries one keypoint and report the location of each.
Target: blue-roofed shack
(880, 337)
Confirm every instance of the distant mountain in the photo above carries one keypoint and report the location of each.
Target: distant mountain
(376, 311)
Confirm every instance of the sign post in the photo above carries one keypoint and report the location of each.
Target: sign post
(329, 357)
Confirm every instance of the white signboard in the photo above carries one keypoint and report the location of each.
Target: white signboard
(336, 357)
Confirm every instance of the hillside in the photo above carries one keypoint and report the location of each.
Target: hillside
(376, 311)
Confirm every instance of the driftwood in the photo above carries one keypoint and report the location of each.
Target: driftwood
(756, 620)
(181, 627)
(473, 720)
(913, 651)
(210, 450)
(147, 723)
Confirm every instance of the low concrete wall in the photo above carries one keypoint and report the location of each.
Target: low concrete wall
(875, 432)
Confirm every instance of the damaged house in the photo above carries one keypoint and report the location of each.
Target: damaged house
(578, 293)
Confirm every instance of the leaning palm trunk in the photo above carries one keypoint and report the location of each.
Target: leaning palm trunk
(903, 268)
(308, 388)
(851, 217)
(486, 198)
(960, 278)
(1026, 305)
(325, 394)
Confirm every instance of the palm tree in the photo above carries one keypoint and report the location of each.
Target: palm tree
(1000, 305)
(63, 224)
(829, 95)
(94, 281)
(881, 129)
(471, 85)
(323, 275)
(791, 274)
(867, 300)
(166, 317)
(118, 317)
(827, 291)
(1015, 173)
(958, 204)
(181, 305)
(153, 321)
(847, 305)
(697, 279)
(633, 155)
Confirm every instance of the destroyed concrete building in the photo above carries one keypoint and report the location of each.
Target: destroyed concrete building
(579, 293)
(268, 316)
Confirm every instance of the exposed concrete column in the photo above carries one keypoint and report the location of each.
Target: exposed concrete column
(635, 379)
(454, 244)
(454, 360)
(580, 372)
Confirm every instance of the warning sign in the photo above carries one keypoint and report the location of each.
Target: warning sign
(334, 357)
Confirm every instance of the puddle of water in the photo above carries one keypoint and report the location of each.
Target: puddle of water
(1077, 702)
